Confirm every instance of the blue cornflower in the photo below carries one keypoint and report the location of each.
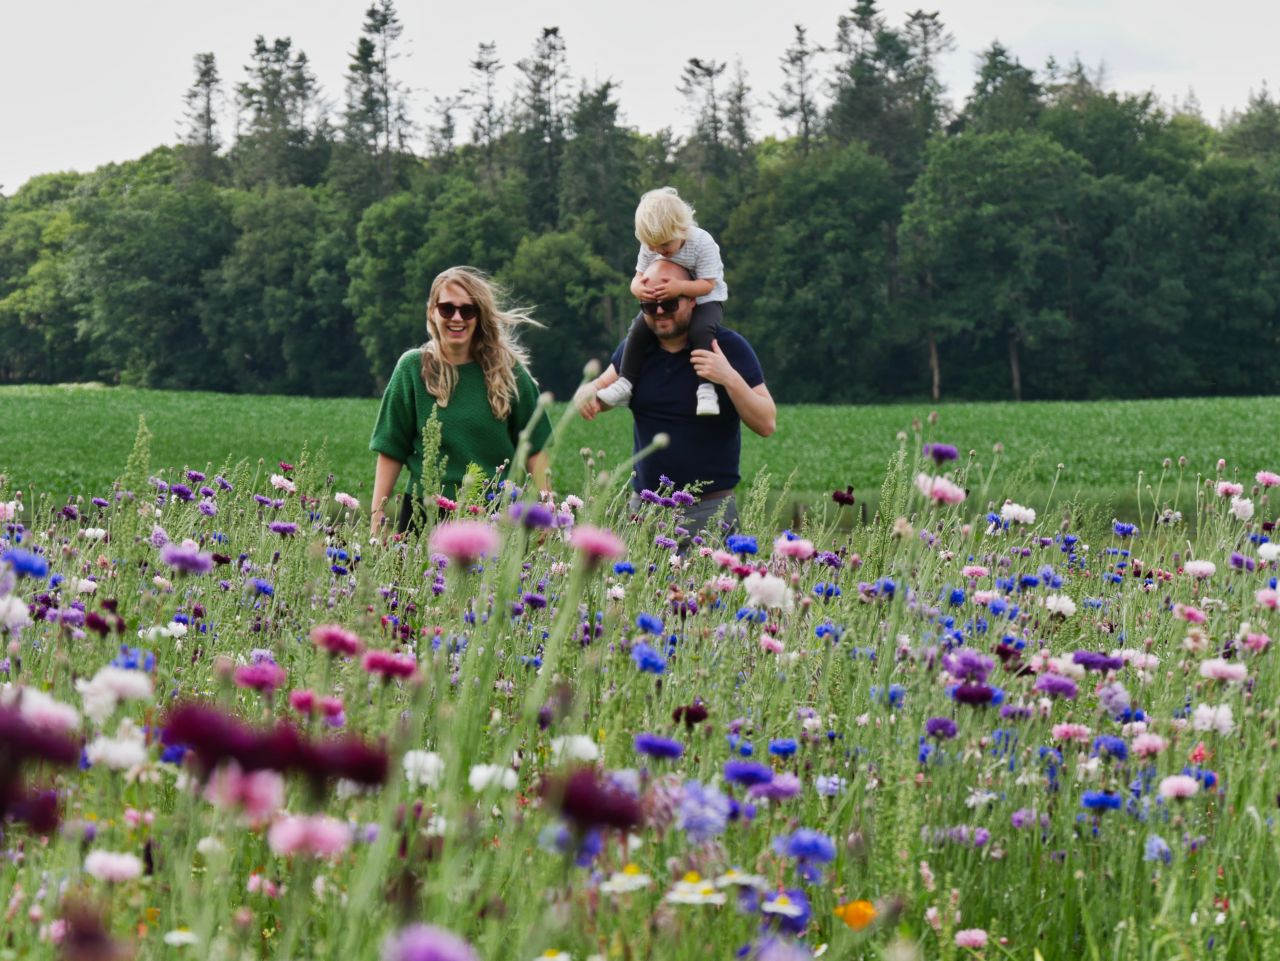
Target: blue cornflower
(783, 747)
(957, 597)
(1157, 850)
(741, 544)
(747, 773)
(647, 622)
(1111, 746)
(704, 812)
(1125, 530)
(1100, 801)
(624, 567)
(25, 563)
(656, 746)
(134, 659)
(648, 660)
(262, 587)
(809, 848)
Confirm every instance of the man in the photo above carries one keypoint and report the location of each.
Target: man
(704, 451)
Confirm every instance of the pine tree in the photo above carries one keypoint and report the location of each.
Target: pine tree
(488, 122)
(203, 100)
(540, 120)
(799, 101)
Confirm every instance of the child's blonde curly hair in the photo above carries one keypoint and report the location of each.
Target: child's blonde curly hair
(662, 216)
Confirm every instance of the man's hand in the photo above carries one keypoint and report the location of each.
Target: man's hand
(586, 402)
(713, 365)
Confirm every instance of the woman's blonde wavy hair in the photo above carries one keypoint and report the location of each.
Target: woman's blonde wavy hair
(493, 346)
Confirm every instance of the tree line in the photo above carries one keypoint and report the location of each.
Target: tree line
(1041, 236)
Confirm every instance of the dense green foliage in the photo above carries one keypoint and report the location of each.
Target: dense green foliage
(68, 441)
(1040, 237)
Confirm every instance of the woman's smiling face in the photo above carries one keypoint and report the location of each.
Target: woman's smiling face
(455, 318)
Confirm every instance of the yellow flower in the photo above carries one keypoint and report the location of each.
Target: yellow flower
(856, 914)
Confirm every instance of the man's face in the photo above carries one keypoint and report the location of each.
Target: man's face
(674, 325)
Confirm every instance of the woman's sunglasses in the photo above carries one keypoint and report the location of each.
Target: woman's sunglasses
(650, 307)
(466, 311)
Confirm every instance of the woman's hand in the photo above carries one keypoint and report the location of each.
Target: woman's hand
(585, 400)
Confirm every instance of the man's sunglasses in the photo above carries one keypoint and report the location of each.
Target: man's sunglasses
(650, 307)
(466, 311)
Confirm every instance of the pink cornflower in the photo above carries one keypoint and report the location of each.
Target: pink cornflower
(1070, 732)
(1268, 597)
(723, 558)
(1200, 569)
(258, 794)
(1228, 489)
(319, 836)
(424, 942)
(335, 639)
(939, 489)
(971, 938)
(347, 501)
(464, 542)
(1192, 615)
(389, 665)
(1256, 642)
(1178, 786)
(445, 504)
(263, 677)
(303, 700)
(596, 544)
(112, 866)
(1149, 745)
(974, 571)
(771, 644)
(1267, 478)
(1220, 669)
(282, 483)
(798, 549)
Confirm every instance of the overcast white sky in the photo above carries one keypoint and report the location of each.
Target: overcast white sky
(84, 82)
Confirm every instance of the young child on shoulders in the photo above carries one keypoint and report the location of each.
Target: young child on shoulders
(665, 228)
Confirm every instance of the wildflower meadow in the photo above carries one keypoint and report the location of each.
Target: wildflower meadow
(234, 727)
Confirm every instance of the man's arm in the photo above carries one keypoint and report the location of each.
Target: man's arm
(754, 404)
(585, 398)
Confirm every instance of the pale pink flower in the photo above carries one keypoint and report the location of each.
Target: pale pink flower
(939, 489)
(1229, 489)
(798, 548)
(8, 510)
(971, 938)
(723, 558)
(112, 866)
(1178, 786)
(1192, 615)
(771, 644)
(282, 483)
(983, 598)
(464, 542)
(1200, 569)
(318, 836)
(1207, 717)
(933, 918)
(1268, 597)
(347, 501)
(1017, 513)
(596, 543)
(974, 571)
(1266, 478)
(1070, 732)
(1256, 642)
(1242, 508)
(1149, 745)
(1220, 669)
(258, 794)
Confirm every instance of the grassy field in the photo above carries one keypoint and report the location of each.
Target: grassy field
(70, 440)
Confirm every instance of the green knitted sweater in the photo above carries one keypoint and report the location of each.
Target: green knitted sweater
(470, 434)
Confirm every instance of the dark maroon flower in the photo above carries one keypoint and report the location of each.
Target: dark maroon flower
(845, 497)
(22, 741)
(588, 803)
(354, 760)
(691, 714)
(973, 693)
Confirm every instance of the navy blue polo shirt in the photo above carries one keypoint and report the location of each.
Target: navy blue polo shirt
(703, 450)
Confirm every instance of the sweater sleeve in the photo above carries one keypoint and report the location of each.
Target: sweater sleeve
(523, 409)
(393, 430)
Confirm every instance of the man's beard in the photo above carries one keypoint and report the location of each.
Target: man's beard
(679, 328)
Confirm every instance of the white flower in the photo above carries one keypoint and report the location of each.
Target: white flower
(617, 593)
(735, 878)
(692, 889)
(181, 937)
(126, 750)
(768, 591)
(1242, 508)
(979, 798)
(13, 613)
(423, 768)
(112, 866)
(1017, 513)
(93, 533)
(492, 775)
(1200, 569)
(208, 846)
(39, 709)
(629, 879)
(1209, 718)
(282, 483)
(109, 687)
(782, 905)
(1269, 551)
(573, 747)
(1060, 604)
(82, 585)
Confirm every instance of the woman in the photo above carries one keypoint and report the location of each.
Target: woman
(472, 372)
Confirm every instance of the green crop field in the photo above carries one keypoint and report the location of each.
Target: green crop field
(74, 440)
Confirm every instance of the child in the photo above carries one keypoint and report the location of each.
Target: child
(665, 228)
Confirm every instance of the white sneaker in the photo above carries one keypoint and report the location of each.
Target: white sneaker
(708, 403)
(617, 394)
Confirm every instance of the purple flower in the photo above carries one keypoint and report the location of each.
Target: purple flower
(188, 560)
(208, 508)
(1055, 685)
(283, 528)
(655, 746)
(683, 498)
(943, 728)
(1092, 661)
(973, 693)
(967, 664)
(530, 515)
(704, 812)
(782, 787)
(747, 773)
(941, 452)
(181, 491)
(425, 942)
